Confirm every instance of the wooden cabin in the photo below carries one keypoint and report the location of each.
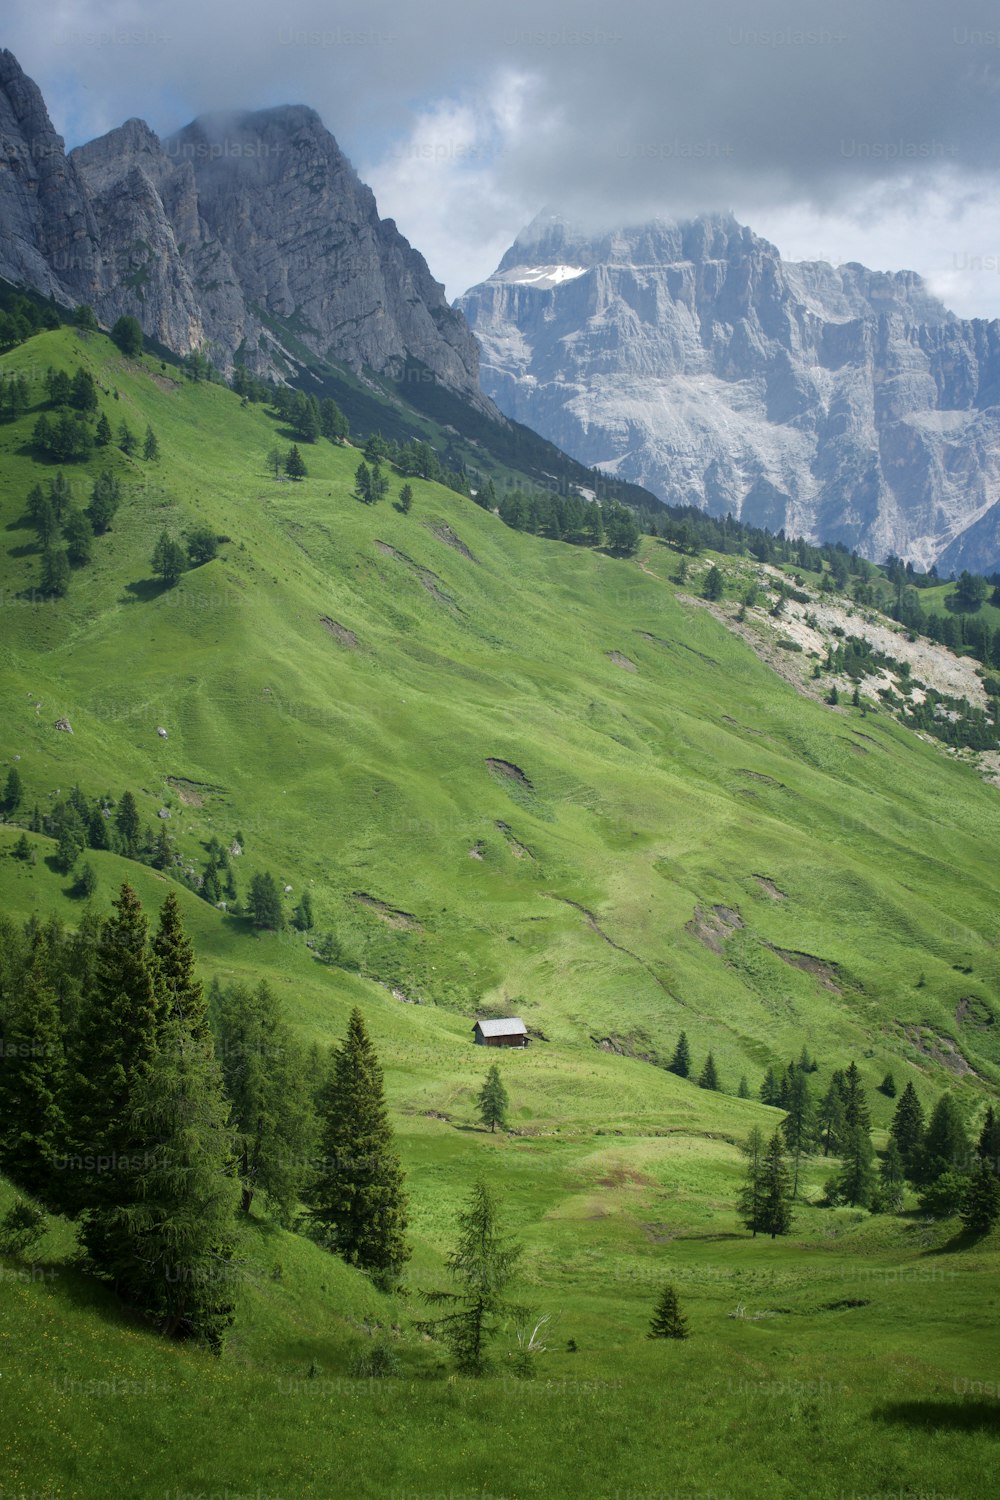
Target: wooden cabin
(510, 1032)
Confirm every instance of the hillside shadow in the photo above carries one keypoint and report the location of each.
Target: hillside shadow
(142, 591)
(942, 1416)
(963, 1239)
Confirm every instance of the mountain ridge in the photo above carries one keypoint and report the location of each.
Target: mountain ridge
(840, 403)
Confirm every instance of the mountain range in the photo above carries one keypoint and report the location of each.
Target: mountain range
(683, 359)
(840, 403)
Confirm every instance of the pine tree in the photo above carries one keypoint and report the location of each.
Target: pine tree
(79, 535)
(680, 1063)
(483, 1264)
(751, 1200)
(264, 902)
(770, 1089)
(493, 1101)
(892, 1179)
(105, 498)
(168, 560)
(405, 502)
(32, 1076)
(715, 584)
(180, 994)
(988, 1145)
(799, 1125)
(150, 447)
(112, 1054)
(668, 1322)
(856, 1108)
(856, 1180)
(54, 579)
(357, 1202)
(22, 849)
(168, 1245)
(295, 466)
(126, 438)
(264, 1072)
(363, 482)
(907, 1128)
(709, 1077)
(945, 1146)
(776, 1205)
(128, 824)
(275, 460)
(103, 433)
(13, 792)
(981, 1200)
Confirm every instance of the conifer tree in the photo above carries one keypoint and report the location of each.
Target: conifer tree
(357, 1201)
(888, 1086)
(770, 1089)
(680, 1063)
(856, 1180)
(483, 1264)
(493, 1101)
(743, 1092)
(892, 1179)
(668, 1322)
(751, 1200)
(988, 1145)
(295, 466)
(168, 1246)
(32, 1077)
(405, 501)
(363, 482)
(776, 1205)
(709, 1077)
(113, 1053)
(265, 1078)
(981, 1200)
(13, 793)
(856, 1108)
(150, 447)
(180, 994)
(304, 913)
(799, 1125)
(945, 1146)
(264, 902)
(128, 824)
(103, 433)
(907, 1128)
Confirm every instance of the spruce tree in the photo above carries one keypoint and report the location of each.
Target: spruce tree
(945, 1146)
(113, 1053)
(907, 1128)
(680, 1063)
(856, 1107)
(892, 1179)
(776, 1205)
(799, 1125)
(357, 1202)
(103, 433)
(150, 447)
(856, 1180)
(988, 1145)
(32, 1078)
(266, 1081)
(493, 1101)
(482, 1264)
(295, 466)
(770, 1089)
(181, 996)
(363, 482)
(743, 1092)
(264, 902)
(751, 1199)
(888, 1086)
(405, 501)
(304, 913)
(709, 1077)
(981, 1200)
(128, 824)
(168, 1246)
(668, 1322)
(13, 792)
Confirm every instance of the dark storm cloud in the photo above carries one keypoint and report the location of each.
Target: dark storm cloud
(710, 101)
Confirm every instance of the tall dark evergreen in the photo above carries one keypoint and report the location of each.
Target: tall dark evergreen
(709, 1076)
(892, 1179)
(770, 1089)
(493, 1101)
(945, 1146)
(356, 1200)
(907, 1128)
(856, 1108)
(856, 1180)
(32, 1079)
(181, 995)
(266, 1080)
(128, 824)
(799, 1125)
(751, 1200)
(680, 1063)
(776, 1195)
(981, 1201)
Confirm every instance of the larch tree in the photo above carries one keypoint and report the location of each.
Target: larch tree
(493, 1100)
(482, 1264)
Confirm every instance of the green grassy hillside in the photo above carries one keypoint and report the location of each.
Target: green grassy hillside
(515, 777)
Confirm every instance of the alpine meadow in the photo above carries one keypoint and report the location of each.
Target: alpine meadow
(499, 966)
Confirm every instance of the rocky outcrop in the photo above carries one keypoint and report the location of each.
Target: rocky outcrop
(246, 235)
(841, 403)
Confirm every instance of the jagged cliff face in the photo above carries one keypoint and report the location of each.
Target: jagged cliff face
(246, 235)
(841, 403)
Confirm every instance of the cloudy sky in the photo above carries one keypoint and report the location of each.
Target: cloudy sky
(863, 130)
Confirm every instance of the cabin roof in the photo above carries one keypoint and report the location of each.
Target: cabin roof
(509, 1026)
